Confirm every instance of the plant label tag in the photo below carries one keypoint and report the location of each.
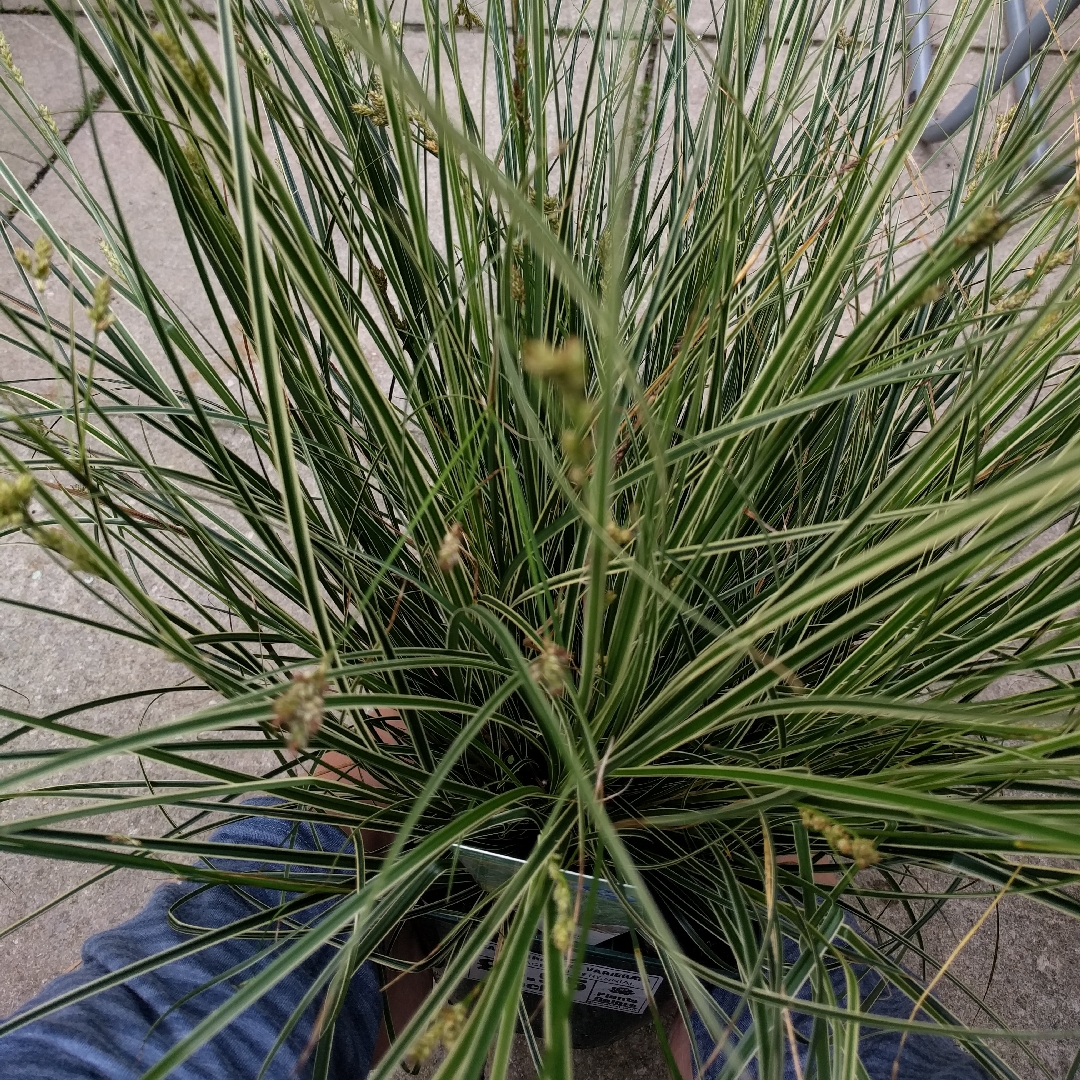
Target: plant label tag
(599, 986)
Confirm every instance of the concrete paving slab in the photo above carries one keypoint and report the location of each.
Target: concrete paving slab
(1021, 967)
(51, 72)
(48, 664)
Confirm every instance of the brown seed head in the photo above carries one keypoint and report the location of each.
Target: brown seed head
(298, 710)
(449, 554)
(550, 667)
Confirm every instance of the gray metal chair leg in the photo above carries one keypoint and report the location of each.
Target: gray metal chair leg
(1024, 37)
(1016, 24)
(1025, 40)
(922, 52)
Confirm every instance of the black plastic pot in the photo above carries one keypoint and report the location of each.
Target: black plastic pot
(611, 999)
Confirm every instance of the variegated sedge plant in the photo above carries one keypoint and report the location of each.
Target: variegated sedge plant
(718, 513)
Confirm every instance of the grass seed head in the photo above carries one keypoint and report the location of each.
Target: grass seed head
(466, 18)
(517, 284)
(454, 1017)
(550, 667)
(449, 555)
(931, 293)
(111, 258)
(553, 210)
(1012, 302)
(518, 88)
(425, 133)
(576, 448)
(101, 317)
(563, 367)
(9, 60)
(37, 263)
(375, 106)
(194, 74)
(15, 499)
(1002, 123)
(445, 1030)
(298, 710)
(860, 850)
(813, 820)
(839, 838)
(986, 228)
(50, 123)
(863, 852)
(562, 930)
(1049, 261)
(80, 560)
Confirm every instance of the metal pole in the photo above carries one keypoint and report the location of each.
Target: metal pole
(1033, 36)
(922, 52)
(1016, 23)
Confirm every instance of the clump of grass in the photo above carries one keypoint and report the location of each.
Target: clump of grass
(713, 514)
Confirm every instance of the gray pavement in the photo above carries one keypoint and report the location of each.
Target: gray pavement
(53, 78)
(1024, 963)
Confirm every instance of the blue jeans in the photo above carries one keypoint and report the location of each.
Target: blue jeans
(118, 1033)
(917, 1057)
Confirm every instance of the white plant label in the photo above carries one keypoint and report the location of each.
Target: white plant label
(600, 986)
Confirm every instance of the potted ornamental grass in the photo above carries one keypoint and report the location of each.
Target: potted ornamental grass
(588, 473)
